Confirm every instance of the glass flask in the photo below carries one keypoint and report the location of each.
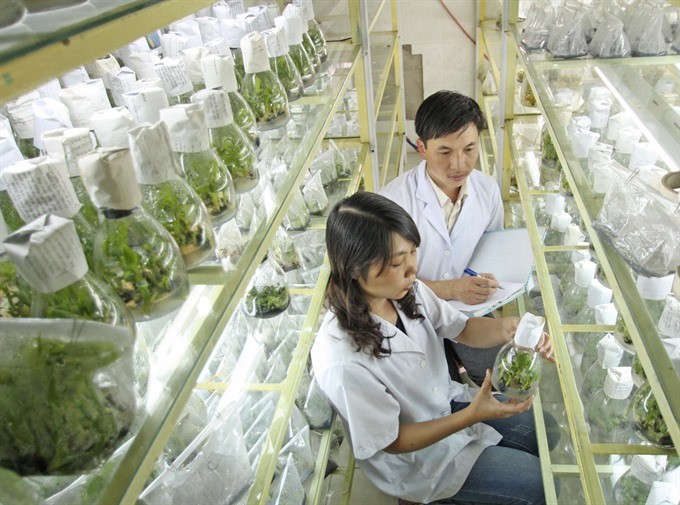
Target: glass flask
(267, 294)
(71, 381)
(303, 63)
(623, 335)
(646, 418)
(15, 293)
(559, 223)
(244, 117)
(285, 69)
(607, 408)
(76, 142)
(639, 375)
(9, 212)
(653, 291)
(169, 198)
(609, 354)
(239, 70)
(318, 38)
(633, 487)
(574, 299)
(309, 46)
(266, 96)
(598, 294)
(517, 368)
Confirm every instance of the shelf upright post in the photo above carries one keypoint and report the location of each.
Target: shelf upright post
(399, 81)
(506, 109)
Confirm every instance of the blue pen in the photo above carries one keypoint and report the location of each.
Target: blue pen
(471, 272)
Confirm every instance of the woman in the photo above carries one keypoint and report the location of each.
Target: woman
(379, 358)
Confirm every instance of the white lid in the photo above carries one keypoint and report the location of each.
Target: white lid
(123, 81)
(139, 45)
(554, 203)
(598, 294)
(644, 153)
(664, 493)
(188, 27)
(47, 253)
(582, 141)
(584, 272)
(99, 68)
(216, 107)
(273, 12)
(529, 331)
(20, 114)
(210, 28)
(173, 72)
(606, 314)
(254, 51)
(609, 352)
(152, 155)
(597, 93)
(83, 100)
(233, 30)
(149, 82)
(187, 128)
(563, 97)
(111, 126)
(602, 177)
(599, 113)
(261, 13)
(580, 254)
(9, 151)
(296, 11)
(294, 28)
(599, 153)
(40, 186)
(250, 20)
(578, 123)
(647, 468)
(218, 71)
(672, 475)
(573, 235)
(654, 288)
(218, 46)
(277, 43)
(192, 59)
(74, 76)
(145, 104)
(109, 176)
(76, 143)
(619, 383)
(49, 114)
(669, 323)
(616, 122)
(173, 43)
(626, 139)
(560, 221)
(144, 64)
(308, 8)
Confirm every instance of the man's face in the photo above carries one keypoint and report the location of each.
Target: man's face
(451, 158)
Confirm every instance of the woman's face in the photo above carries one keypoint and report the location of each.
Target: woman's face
(398, 276)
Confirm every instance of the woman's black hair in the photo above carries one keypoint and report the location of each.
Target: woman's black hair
(359, 235)
(447, 112)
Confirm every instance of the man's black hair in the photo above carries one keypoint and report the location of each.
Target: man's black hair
(447, 112)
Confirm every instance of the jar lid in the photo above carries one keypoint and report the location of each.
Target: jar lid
(598, 294)
(619, 383)
(109, 176)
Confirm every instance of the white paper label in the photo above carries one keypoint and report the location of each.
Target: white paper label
(99, 69)
(602, 177)
(175, 77)
(50, 114)
(573, 235)
(255, 57)
(626, 139)
(554, 204)
(144, 64)
(599, 153)
(277, 44)
(619, 383)
(109, 177)
(210, 28)
(664, 493)
(83, 100)
(50, 89)
(77, 142)
(73, 77)
(48, 253)
(172, 44)
(192, 60)
(218, 71)
(294, 28)
(580, 254)
(598, 294)
(560, 222)
(219, 46)
(151, 153)
(40, 186)
(20, 113)
(647, 468)
(187, 128)
(216, 107)
(599, 113)
(654, 288)
(149, 83)
(609, 352)
(9, 151)
(578, 123)
(123, 81)
(145, 105)
(582, 141)
(111, 126)
(233, 30)
(644, 153)
(529, 331)
(606, 314)
(584, 272)
(669, 324)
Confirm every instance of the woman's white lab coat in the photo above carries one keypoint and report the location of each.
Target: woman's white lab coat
(374, 396)
(443, 255)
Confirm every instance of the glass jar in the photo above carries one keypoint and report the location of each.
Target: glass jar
(15, 293)
(71, 382)
(267, 294)
(9, 211)
(607, 409)
(303, 63)
(239, 69)
(236, 152)
(639, 375)
(633, 487)
(141, 262)
(244, 117)
(318, 38)
(646, 419)
(208, 176)
(548, 151)
(267, 98)
(178, 208)
(285, 69)
(516, 371)
(309, 46)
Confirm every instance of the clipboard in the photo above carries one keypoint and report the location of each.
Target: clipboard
(508, 255)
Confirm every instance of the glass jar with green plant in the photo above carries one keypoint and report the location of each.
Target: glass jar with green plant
(176, 81)
(282, 64)
(267, 293)
(575, 297)
(15, 293)
(261, 88)
(314, 28)
(517, 368)
(607, 409)
(609, 354)
(294, 29)
(633, 487)
(136, 256)
(203, 169)
(169, 198)
(646, 419)
(228, 140)
(22, 119)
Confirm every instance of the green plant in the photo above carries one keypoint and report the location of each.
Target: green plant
(27, 148)
(573, 301)
(518, 372)
(236, 152)
(308, 44)
(646, 418)
(239, 69)
(606, 415)
(267, 301)
(638, 370)
(630, 490)
(303, 63)
(9, 212)
(15, 294)
(210, 179)
(548, 148)
(244, 117)
(288, 74)
(14, 489)
(318, 38)
(266, 97)
(622, 330)
(88, 210)
(55, 420)
(137, 263)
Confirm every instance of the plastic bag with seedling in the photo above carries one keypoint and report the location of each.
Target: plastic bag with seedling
(267, 293)
(298, 216)
(315, 196)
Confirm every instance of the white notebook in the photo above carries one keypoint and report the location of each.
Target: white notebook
(507, 254)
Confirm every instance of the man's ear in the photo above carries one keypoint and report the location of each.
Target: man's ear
(421, 148)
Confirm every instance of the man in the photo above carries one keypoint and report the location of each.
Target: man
(452, 204)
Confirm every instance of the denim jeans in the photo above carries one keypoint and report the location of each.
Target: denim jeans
(508, 473)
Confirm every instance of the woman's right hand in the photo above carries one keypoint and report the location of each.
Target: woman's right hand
(485, 406)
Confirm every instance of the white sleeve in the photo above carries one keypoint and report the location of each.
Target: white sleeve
(497, 211)
(446, 321)
(370, 412)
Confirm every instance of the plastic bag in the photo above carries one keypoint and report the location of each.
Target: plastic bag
(610, 41)
(299, 447)
(567, 39)
(297, 217)
(317, 408)
(230, 243)
(646, 32)
(537, 25)
(315, 196)
(635, 221)
(284, 251)
(288, 489)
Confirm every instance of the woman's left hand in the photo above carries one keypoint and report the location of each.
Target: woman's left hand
(545, 348)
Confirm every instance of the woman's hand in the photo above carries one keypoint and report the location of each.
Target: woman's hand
(485, 406)
(545, 348)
